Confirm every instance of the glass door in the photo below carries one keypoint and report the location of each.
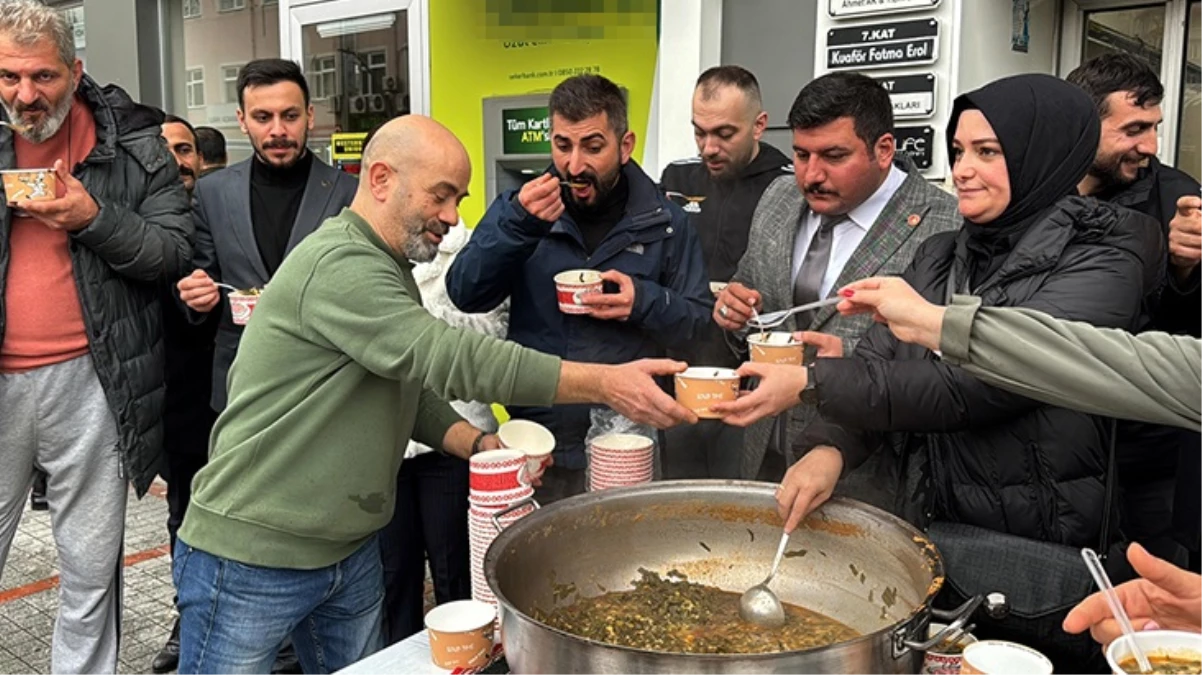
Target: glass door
(365, 61)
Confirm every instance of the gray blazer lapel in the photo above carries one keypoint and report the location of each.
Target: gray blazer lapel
(238, 215)
(892, 228)
(313, 205)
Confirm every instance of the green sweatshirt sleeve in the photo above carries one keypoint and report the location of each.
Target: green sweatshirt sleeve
(1152, 377)
(434, 417)
(369, 315)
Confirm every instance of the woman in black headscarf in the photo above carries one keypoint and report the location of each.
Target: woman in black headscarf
(1000, 472)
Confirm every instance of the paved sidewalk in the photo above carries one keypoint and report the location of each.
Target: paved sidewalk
(29, 589)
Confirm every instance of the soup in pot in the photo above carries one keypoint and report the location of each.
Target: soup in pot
(679, 616)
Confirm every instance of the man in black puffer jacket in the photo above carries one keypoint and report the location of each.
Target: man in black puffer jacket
(81, 354)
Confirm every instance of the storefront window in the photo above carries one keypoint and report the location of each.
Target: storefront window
(1138, 31)
(1189, 143)
(358, 70)
(219, 37)
(75, 17)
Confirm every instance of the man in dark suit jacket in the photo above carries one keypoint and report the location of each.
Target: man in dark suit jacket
(874, 210)
(251, 214)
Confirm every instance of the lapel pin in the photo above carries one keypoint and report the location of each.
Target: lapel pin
(326, 184)
(914, 220)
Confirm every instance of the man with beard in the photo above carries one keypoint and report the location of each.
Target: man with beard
(594, 209)
(1159, 487)
(81, 356)
(719, 189)
(249, 216)
(187, 416)
(852, 209)
(341, 367)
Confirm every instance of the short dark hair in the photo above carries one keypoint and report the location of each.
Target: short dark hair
(836, 95)
(582, 96)
(266, 72)
(175, 119)
(210, 143)
(1103, 75)
(730, 76)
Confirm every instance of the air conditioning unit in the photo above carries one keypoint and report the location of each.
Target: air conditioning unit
(390, 83)
(376, 103)
(358, 105)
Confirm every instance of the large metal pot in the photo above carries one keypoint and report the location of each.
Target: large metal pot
(862, 566)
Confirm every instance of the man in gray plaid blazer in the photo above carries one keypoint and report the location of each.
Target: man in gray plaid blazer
(851, 210)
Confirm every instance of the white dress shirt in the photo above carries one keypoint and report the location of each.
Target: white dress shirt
(848, 234)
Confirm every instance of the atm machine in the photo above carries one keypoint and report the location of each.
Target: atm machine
(517, 141)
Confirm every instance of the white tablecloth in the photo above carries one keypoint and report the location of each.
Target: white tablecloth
(411, 655)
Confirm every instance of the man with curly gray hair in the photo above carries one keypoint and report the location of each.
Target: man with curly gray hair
(81, 353)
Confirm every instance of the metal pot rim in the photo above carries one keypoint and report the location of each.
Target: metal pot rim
(535, 519)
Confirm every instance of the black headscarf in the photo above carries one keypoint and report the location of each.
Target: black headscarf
(1048, 130)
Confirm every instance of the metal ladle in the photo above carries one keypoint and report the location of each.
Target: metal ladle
(759, 605)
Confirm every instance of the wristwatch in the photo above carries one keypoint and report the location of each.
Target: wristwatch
(476, 443)
(809, 393)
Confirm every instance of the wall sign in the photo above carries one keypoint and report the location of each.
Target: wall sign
(853, 8)
(917, 143)
(913, 96)
(880, 45)
(347, 146)
(526, 131)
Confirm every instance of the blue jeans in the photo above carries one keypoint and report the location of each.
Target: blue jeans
(234, 616)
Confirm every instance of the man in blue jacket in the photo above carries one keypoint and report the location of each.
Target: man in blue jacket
(594, 209)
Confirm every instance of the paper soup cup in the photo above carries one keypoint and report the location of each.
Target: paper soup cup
(573, 285)
(498, 471)
(776, 347)
(28, 185)
(998, 657)
(461, 634)
(1164, 643)
(939, 660)
(242, 305)
(533, 439)
(699, 388)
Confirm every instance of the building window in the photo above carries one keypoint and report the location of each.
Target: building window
(196, 87)
(376, 63)
(323, 76)
(270, 2)
(191, 9)
(230, 5)
(229, 79)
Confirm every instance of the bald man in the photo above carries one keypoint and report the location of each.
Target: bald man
(339, 369)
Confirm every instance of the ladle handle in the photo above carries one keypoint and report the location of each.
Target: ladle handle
(780, 553)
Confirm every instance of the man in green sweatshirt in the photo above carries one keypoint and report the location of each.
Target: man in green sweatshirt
(338, 369)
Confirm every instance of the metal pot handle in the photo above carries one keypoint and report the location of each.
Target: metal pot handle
(995, 605)
(496, 517)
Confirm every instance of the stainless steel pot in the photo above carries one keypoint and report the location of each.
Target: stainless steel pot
(862, 566)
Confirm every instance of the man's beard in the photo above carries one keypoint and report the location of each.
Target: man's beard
(51, 122)
(1109, 170)
(302, 145)
(416, 247)
(602, 187)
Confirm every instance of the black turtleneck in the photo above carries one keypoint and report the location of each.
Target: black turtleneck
(596, 221)
(275, 198)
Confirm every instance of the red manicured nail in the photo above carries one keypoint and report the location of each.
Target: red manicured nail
(847, 292)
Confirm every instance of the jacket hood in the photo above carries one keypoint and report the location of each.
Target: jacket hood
(768, 160)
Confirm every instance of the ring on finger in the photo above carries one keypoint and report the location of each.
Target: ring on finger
(723, 311)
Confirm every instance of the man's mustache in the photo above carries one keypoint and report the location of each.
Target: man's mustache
(186, 171)
(817, 189)
(36, 106)
(280, 143)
